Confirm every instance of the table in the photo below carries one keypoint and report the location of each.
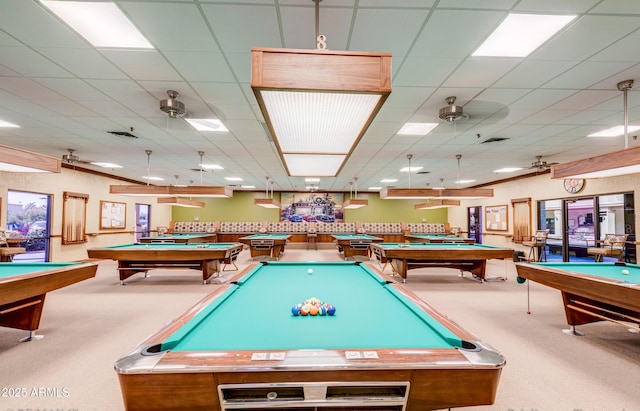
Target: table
(591, 292)
(241, 347)
(23, 288)
(438, 238)
(464, 257)
(181, 238)
(267, 244)
(354, 244)
(140, 258)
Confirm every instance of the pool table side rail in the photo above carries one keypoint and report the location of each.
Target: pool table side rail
(41, 282)
(134, 362)
(624, 295)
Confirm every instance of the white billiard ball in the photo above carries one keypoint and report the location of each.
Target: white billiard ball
(309, 271)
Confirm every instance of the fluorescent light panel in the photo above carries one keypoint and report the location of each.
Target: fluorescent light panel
(439, 203)
(102, 23)
(417, 129)
(507, 169)
(614, 131)
(107, 165)
(520, 34)
(300, 165)
(411, 169)
(355, 203)
(266, 202)
(318, 102)
(180, 202)
(8, 125)
(206, 124)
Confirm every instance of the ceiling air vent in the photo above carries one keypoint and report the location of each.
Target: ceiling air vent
(122, 134)
(494, 140)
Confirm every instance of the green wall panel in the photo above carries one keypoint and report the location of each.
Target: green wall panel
(241, 208)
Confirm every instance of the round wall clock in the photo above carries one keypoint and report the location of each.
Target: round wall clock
(573, 185)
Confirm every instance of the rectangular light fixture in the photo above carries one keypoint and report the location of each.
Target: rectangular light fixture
(318, 104)
(388, 193)
(617, 163)
(355, 203)
(614, 131)
(103, 24)
(171, 191)
(520, 34)
(181, 202)
(15, 160)
(266, 202)
(438, 203)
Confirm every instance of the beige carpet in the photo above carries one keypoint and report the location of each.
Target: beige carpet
(89, 325)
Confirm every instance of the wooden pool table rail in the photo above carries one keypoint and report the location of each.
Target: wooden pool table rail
(587, 298)
(22, 297)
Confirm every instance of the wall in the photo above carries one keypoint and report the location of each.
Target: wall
(538, 188)
(97, 187)
(241, 208)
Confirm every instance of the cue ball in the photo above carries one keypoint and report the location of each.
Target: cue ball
(309, 271)
(625, 271)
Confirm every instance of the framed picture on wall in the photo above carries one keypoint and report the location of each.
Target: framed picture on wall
(112, 215)
(496, 217)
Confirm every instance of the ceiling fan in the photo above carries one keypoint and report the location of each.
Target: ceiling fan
(71, 158)
(452, 113)
(540, 164)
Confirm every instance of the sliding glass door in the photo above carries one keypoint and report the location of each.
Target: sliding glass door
(575, 224)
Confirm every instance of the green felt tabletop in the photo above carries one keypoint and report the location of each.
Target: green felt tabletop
(172, 246)
(355, 237)
(256, 313)
(267, 236)
(435, 236)
(437, 246)
(604, 270)
(181, 235)
(18, 268)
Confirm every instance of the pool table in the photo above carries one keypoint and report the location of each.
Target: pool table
(354, 244)
(140, 258)
(464, 257)
(266, 245)
(180, 238)
(438, 238)
(241, 347)
(591, 292)
(23, 288)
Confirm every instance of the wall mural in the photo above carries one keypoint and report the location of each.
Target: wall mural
(311, 207)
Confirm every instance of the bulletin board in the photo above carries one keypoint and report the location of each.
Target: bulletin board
(496, 218)
(112, 214)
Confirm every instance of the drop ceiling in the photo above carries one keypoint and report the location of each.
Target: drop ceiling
(66, 94)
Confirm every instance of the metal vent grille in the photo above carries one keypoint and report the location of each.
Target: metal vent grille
(122, 134)
(494, 140)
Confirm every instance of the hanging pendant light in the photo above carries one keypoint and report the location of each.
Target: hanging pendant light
(617, 163)
(317, 104)
(268, 201)
(149, 190)
(390, 193)
(354, 202)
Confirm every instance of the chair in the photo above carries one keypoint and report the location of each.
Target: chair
(612, 245)
(6, 252)
(537, 246)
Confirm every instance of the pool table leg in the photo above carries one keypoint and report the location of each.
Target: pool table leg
(24, 315)
(209, 269)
